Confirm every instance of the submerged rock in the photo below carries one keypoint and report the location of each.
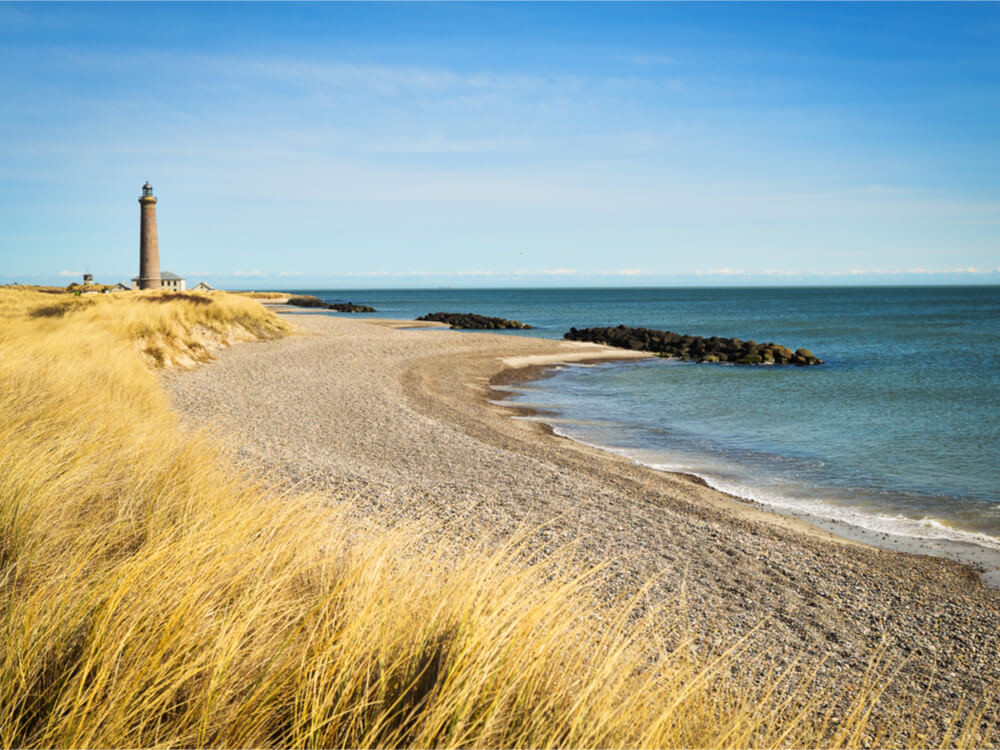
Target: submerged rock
(471, 320)
(697, 348)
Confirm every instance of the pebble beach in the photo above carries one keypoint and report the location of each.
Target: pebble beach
(400, 420)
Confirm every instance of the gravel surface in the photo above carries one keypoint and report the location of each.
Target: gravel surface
(400, 422)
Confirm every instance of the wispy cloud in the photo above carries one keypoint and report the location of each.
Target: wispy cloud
(391, 81)
(13, 17)
(626, 272)
(383, 80)
(650, 59)
(917, 271)
(462, 273)
(71, 273)
(585, 277)
(720, 272)
(787, 272)
(637, 272)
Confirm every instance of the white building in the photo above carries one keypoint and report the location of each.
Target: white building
(171, 282)
(203, 286)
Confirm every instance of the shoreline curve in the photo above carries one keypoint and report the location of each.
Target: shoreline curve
(403, 424)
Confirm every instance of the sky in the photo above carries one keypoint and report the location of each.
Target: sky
(345, 145)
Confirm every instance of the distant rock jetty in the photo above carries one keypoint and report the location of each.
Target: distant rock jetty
(310, 301)
(697, 348)
(471, 320)
(350, 307)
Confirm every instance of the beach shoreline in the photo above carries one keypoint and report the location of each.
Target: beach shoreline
(982, 561)
(534, 367)
(405, 424)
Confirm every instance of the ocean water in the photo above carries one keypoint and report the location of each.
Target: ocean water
(895, 440)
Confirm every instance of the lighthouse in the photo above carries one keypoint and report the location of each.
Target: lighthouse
(149, 246)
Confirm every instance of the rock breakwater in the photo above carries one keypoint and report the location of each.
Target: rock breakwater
(310, 301)
(350, 307)
(697, 348)
(471, 320)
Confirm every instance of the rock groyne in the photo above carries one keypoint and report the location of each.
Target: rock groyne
(350, 307)
(310, 301)
(471, 320)
(697, 348)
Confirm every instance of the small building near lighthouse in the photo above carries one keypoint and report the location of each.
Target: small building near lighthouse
(169, 281)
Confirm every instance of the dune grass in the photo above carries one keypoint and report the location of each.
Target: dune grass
(166, 328)
(152, 596)
(263, 295)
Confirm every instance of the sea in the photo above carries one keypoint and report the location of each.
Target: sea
(894, 441)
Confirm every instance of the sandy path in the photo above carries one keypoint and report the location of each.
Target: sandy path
(399, 420)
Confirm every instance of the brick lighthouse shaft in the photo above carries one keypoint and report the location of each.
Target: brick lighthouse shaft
(149, 246)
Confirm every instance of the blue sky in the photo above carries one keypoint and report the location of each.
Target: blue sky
(380, 145)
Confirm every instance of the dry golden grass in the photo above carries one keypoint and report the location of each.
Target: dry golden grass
(152, 597)
(34, 288)
(166, 328)
(263, 295)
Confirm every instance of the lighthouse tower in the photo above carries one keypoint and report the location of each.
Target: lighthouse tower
(149, 246)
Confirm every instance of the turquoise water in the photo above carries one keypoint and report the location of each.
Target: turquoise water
(897, 434)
